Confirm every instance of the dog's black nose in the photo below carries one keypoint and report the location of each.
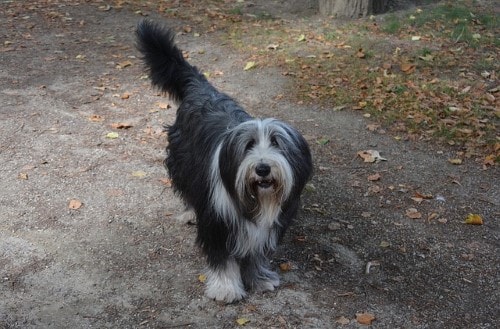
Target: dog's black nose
(262, 169)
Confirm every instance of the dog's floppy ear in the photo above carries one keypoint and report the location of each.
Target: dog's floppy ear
(231, 154)
(297, 153)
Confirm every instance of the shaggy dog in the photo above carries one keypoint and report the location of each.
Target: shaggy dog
(242, 176)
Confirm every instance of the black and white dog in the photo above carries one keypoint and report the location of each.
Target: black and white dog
(242, 176)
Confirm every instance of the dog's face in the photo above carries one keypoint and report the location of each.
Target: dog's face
(260, 162)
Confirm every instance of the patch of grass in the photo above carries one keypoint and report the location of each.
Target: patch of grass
(325, 68)
(425, 52)
(236, 11)
(392, 25)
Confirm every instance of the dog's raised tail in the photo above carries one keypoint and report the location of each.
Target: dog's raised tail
(167, 68)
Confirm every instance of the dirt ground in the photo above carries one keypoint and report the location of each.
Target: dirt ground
(88, 230)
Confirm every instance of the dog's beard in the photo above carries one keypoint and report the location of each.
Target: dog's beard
(262, 196)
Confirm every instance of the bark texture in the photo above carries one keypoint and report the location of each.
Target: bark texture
(352, 8)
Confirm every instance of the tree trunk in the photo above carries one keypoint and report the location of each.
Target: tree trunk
(351, 8)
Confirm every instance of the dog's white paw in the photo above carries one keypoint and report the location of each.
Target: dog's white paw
(228, 292)
(225, 284)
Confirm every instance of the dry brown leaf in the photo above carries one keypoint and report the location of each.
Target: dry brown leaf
(423, 196)
(366, 214)
(365, 318)
(374, 177)
(285, 267)
(75, 204)
(96, 118)
(123, 64)
(370, 156)
(432, 216)
(413, 213)
(374, 189)
(342, 320)
(164, 106)
(121, 125)
(23, 176)
(407, 68)
(166, 181)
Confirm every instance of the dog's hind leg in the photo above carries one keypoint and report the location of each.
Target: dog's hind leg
(224, 282)
(188, 216)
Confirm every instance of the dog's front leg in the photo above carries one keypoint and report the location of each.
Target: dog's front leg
(257, 275)
(224, 282)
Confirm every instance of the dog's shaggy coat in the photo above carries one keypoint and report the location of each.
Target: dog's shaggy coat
(241, 176)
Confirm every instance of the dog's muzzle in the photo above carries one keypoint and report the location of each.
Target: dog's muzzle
(263, 178)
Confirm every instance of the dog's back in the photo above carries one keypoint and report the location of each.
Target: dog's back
(204, 113)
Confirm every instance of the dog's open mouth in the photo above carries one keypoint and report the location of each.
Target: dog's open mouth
(265, 183)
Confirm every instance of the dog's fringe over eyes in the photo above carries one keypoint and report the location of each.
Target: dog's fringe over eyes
(242, 176)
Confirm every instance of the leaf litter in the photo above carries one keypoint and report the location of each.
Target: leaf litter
(417, 92)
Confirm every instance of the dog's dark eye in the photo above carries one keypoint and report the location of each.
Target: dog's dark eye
(274, 141)
(249, 145)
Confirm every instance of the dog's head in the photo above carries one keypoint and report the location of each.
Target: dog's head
(262, 163)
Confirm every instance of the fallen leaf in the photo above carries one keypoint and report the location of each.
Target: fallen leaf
(413, 213)
(342, 320)
(285, 267)
(123, 64)
(166, 181)
(125, 96)
(371, 156)
(416, 38)
(360, 53)
(455, 161)
(365, 318)
(385, 244)
(202, 278)
(432, 216)
(489, 160)
(489, 97)
(164, 106)
(301, 37)
(242, 321)
(310, 187)
(139, 174)
(374, 189)
(408, 68)
(75, 204)
(474, 219)
(423, 196)
(427, 58)
(323, 141)
(248, 66)
(96, 118)
(23, 176)
(112, 135)
(121, 125)
(374, 177)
